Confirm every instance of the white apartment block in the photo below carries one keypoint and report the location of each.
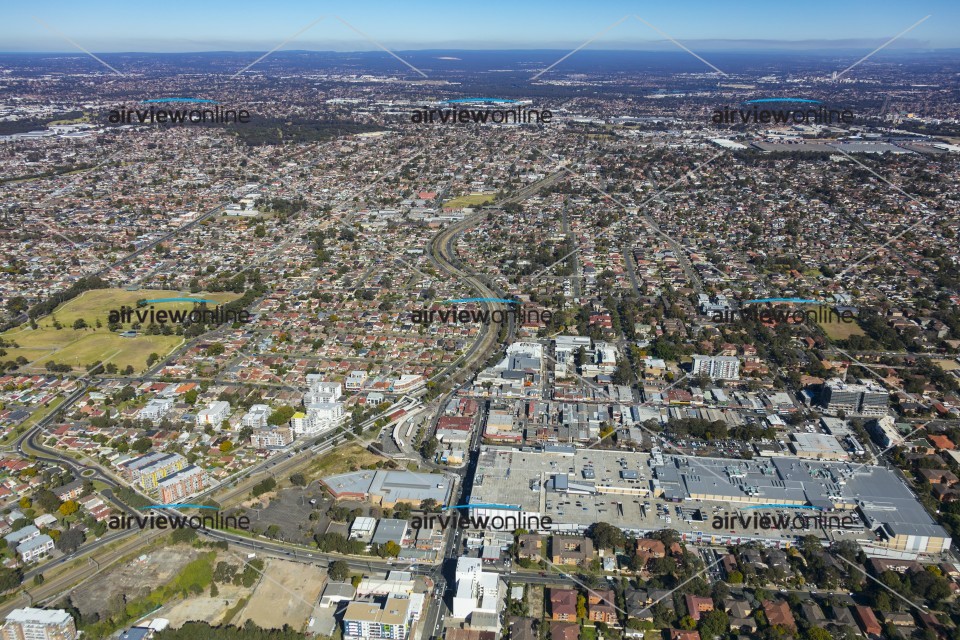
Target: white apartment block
(256, 417)
(319, 390)
(477, 591)
(717, 367)
(324, 410)
(35, 548)
(372, 621)
(271, 438)
(155, 409)
(355, 380)
(322, 416)
(214, 414)
(38, 624)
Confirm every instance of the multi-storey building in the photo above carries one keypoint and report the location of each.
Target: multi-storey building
(863, 399)
(155, 409)
(180, 484)
(35, 548)
(271, 438)
(320, 390)
(355, 380)
(477, 591)
(717, 367)
(38, 624)
(214, 414)
(324, 409)
(370, 620)
(256, 417)
(153, 467)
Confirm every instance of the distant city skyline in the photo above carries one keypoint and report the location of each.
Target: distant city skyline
(248, 25)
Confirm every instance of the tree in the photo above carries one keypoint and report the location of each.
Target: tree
(606, 536)
(190, 397)
(47, 500)
(184, 534)
(339, 571)
(69, 507)
(214, 592)
(70, 540)
(391, 549)
(25, 502)
(298, 480)
(713, 623)
(264, 486)
(281, 416)
(581, 606)
(226, 446)
(142, 445)
(214, 349)
(9, 578)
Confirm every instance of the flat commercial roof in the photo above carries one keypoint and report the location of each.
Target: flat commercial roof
(389, 529)
(818, 444)
(529, 480)
(392, 485)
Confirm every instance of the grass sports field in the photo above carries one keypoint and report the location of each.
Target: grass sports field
(472, 200)
(81, 347)
(837, 330)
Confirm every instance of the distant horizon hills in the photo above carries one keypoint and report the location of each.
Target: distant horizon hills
(784, 49)
(448, 64)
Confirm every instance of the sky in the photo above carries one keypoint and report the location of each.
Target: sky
(255, 25)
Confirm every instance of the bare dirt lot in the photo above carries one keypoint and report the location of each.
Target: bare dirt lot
(102, 595)
(285, 595)
(203, 607)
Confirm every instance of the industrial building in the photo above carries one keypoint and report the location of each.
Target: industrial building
(387, 488)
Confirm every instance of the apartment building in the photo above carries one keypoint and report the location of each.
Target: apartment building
(355, 380)
(716, 367)
(865, 398)
(214, 414)
(181, 484)
(323, 406)
(151, 468)
(155, 409)
(38, 624)
(320, 390)
(477, 591)
(571, 550)
(35, 548)
(271, 438)
(256, 417)
(370, 620)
